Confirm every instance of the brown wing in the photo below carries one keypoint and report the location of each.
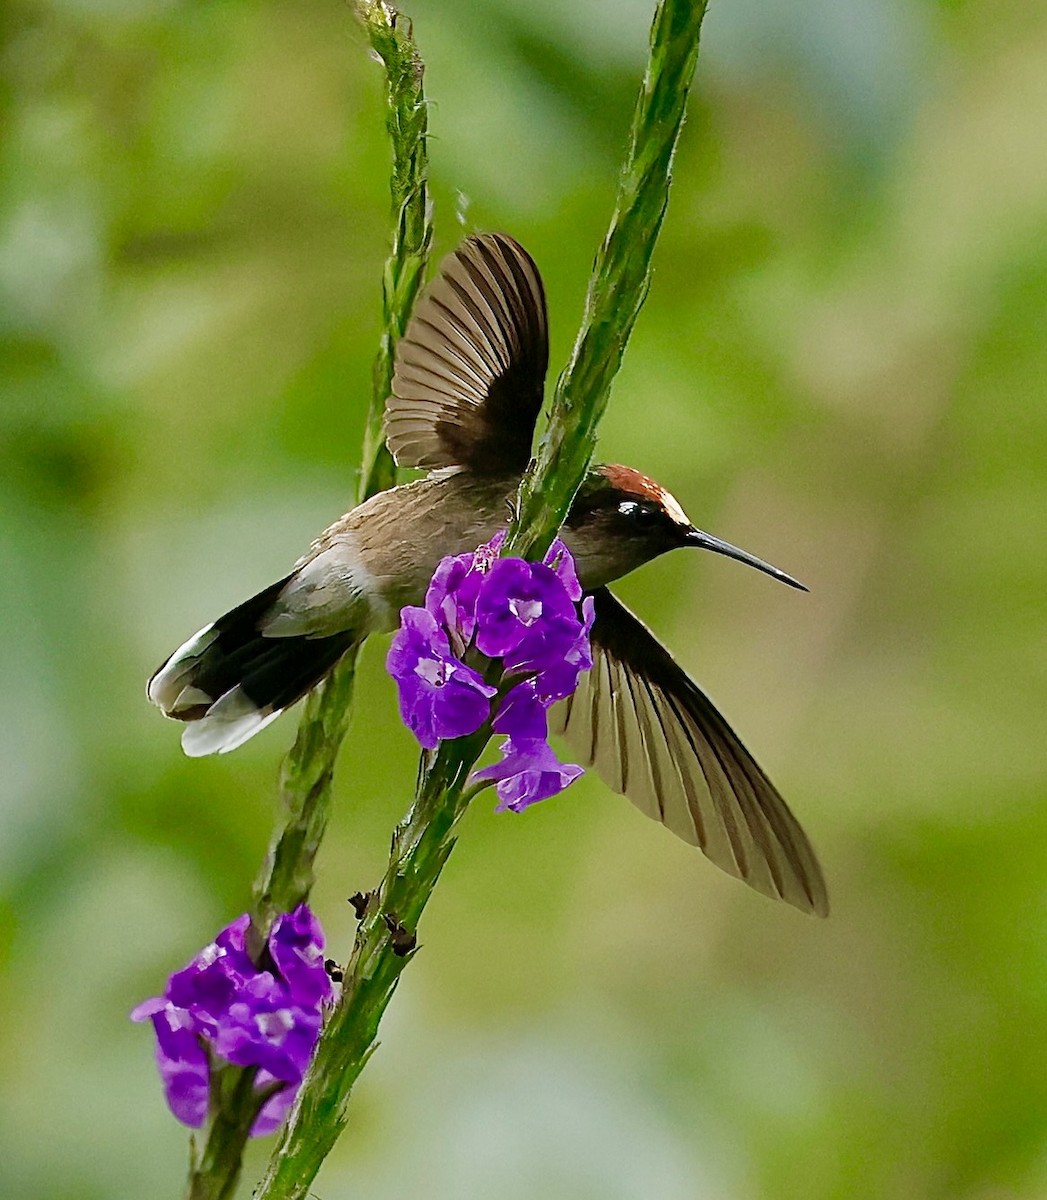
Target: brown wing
(652, 734)
(470, 368)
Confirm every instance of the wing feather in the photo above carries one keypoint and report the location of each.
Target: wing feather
(652, 734)
(470, 368)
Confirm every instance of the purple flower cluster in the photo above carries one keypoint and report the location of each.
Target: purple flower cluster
(222, 1006)
(532, 617)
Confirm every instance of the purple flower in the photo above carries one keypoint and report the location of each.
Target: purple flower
(440, 697)
(274, 1111)
(223, 1007)
(527, 615)
(209, 983)
(522, 714)
(559, 558)
(266, 1028)
(556, 654)
(296, 947)
(455, 585)
(528, 772)
(517, 599)
(451, 597)
(182, 1061)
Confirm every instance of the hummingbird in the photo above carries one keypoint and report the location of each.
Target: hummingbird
(468, 386)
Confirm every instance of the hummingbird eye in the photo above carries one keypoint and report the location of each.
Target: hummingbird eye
(640, 514)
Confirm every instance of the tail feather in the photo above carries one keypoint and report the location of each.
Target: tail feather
(229, 681)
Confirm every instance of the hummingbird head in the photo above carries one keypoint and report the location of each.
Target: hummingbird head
(621, 519)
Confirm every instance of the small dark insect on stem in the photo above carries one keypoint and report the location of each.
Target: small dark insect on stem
(401, 939)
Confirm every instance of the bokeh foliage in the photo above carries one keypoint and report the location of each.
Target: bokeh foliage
(841, 366)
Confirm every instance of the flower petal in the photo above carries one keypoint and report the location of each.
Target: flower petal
(515, 598)
(559, 558)
(451, 597)
(274, 1111)
(522, 714)
(440, 697)
(529, 772)
(183, 1066)
(296, 945)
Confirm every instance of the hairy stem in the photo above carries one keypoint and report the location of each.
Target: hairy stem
(234, 1106)
(385, 943)
(619, 282)
(305, 777)
(305, 781)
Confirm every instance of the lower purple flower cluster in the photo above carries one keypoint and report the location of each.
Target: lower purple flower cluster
(532, 617)
(223, 1007)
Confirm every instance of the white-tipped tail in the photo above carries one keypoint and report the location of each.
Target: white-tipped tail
(169, 688)
(230, 680)
(229, 722)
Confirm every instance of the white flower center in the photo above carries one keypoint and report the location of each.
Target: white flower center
(275, 1024)
(177, 1018)
(527, 611)
(433, 671)
(211, 953)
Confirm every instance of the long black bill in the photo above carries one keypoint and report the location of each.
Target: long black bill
(706, 541)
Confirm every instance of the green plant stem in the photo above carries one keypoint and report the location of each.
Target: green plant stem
(305, 777)
(232, 1096)
(305, 782)
(384, 945)
(619, 282)
(425, 838)
(407, 124)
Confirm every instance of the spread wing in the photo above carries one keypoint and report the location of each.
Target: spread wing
(470, 368)
(652, 734)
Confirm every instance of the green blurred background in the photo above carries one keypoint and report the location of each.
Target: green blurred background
(841, 367)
